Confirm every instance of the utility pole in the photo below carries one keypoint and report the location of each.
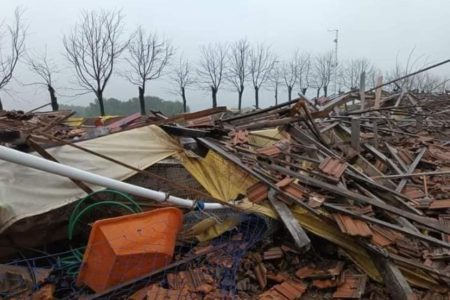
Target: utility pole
(336, 39)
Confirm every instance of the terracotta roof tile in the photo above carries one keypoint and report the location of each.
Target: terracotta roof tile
(333, 167)
(352, 226)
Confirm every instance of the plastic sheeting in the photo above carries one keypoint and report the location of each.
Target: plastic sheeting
(26, 192)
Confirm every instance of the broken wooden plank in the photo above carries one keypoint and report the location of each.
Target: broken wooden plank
(362, 88)
(307, 180)
(298, 234)
(411, 169)
(378, 92)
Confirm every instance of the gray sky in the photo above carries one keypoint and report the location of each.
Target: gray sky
(379, 30)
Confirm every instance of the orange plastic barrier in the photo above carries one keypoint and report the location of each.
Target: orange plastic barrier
(126, 247)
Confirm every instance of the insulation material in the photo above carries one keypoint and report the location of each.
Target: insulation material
(26, 192)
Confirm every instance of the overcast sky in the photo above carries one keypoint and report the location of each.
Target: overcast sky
(379, 30)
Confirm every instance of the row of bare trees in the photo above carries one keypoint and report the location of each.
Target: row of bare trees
(97, 42)
(14, 38)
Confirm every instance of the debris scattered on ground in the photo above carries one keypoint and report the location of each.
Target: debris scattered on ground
(347, 200)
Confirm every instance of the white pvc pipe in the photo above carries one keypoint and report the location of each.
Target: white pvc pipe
(45, 165)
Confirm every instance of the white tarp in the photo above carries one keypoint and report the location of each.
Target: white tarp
(25, 192)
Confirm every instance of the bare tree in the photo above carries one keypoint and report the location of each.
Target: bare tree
(427, 82)
(289, 73)
(212, 68)
(45, 69)
(238, 67)
(275, 79)
(183, 77)
(303, 69)
(401, 69)
(323, 69)
(16, 44)
(262, 62)
(148, 56)
(93, 48)
(352, 69)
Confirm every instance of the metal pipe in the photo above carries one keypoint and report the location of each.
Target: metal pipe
(45, 165)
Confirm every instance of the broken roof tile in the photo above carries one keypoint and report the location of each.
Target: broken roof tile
(351, 287)
(288, 290)
(316, 200)
(383, 237)
(440, 204)
(269, 150)
(351, 226)
(257, 193)
(273, 253)
(333, 167)
(196, 280)
(322, 271)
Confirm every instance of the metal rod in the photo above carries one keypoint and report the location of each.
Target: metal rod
(45, 165)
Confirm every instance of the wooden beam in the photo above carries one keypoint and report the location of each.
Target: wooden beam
(411, 169)
(362, 88)
(376, 105)
(356, 133)
(394, 281)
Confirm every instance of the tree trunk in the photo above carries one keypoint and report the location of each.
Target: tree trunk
(240, 99)
(318, 93)
(99, 94)
(289, 92)
(325, 90)
(276, 94)
(256, 97)
(53, 99)
(142, 100)
(214, 97)
(183, 95)
(304, 91)
(1, 105)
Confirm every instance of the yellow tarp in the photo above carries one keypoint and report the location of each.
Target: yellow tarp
(222, 179)
(255, 137)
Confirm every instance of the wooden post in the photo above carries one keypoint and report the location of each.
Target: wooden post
(395, 282)
(362, 88)
(356, 127)
(378, 92)
(375, 133)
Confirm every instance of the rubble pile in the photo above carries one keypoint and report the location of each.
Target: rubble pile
(349, 199)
